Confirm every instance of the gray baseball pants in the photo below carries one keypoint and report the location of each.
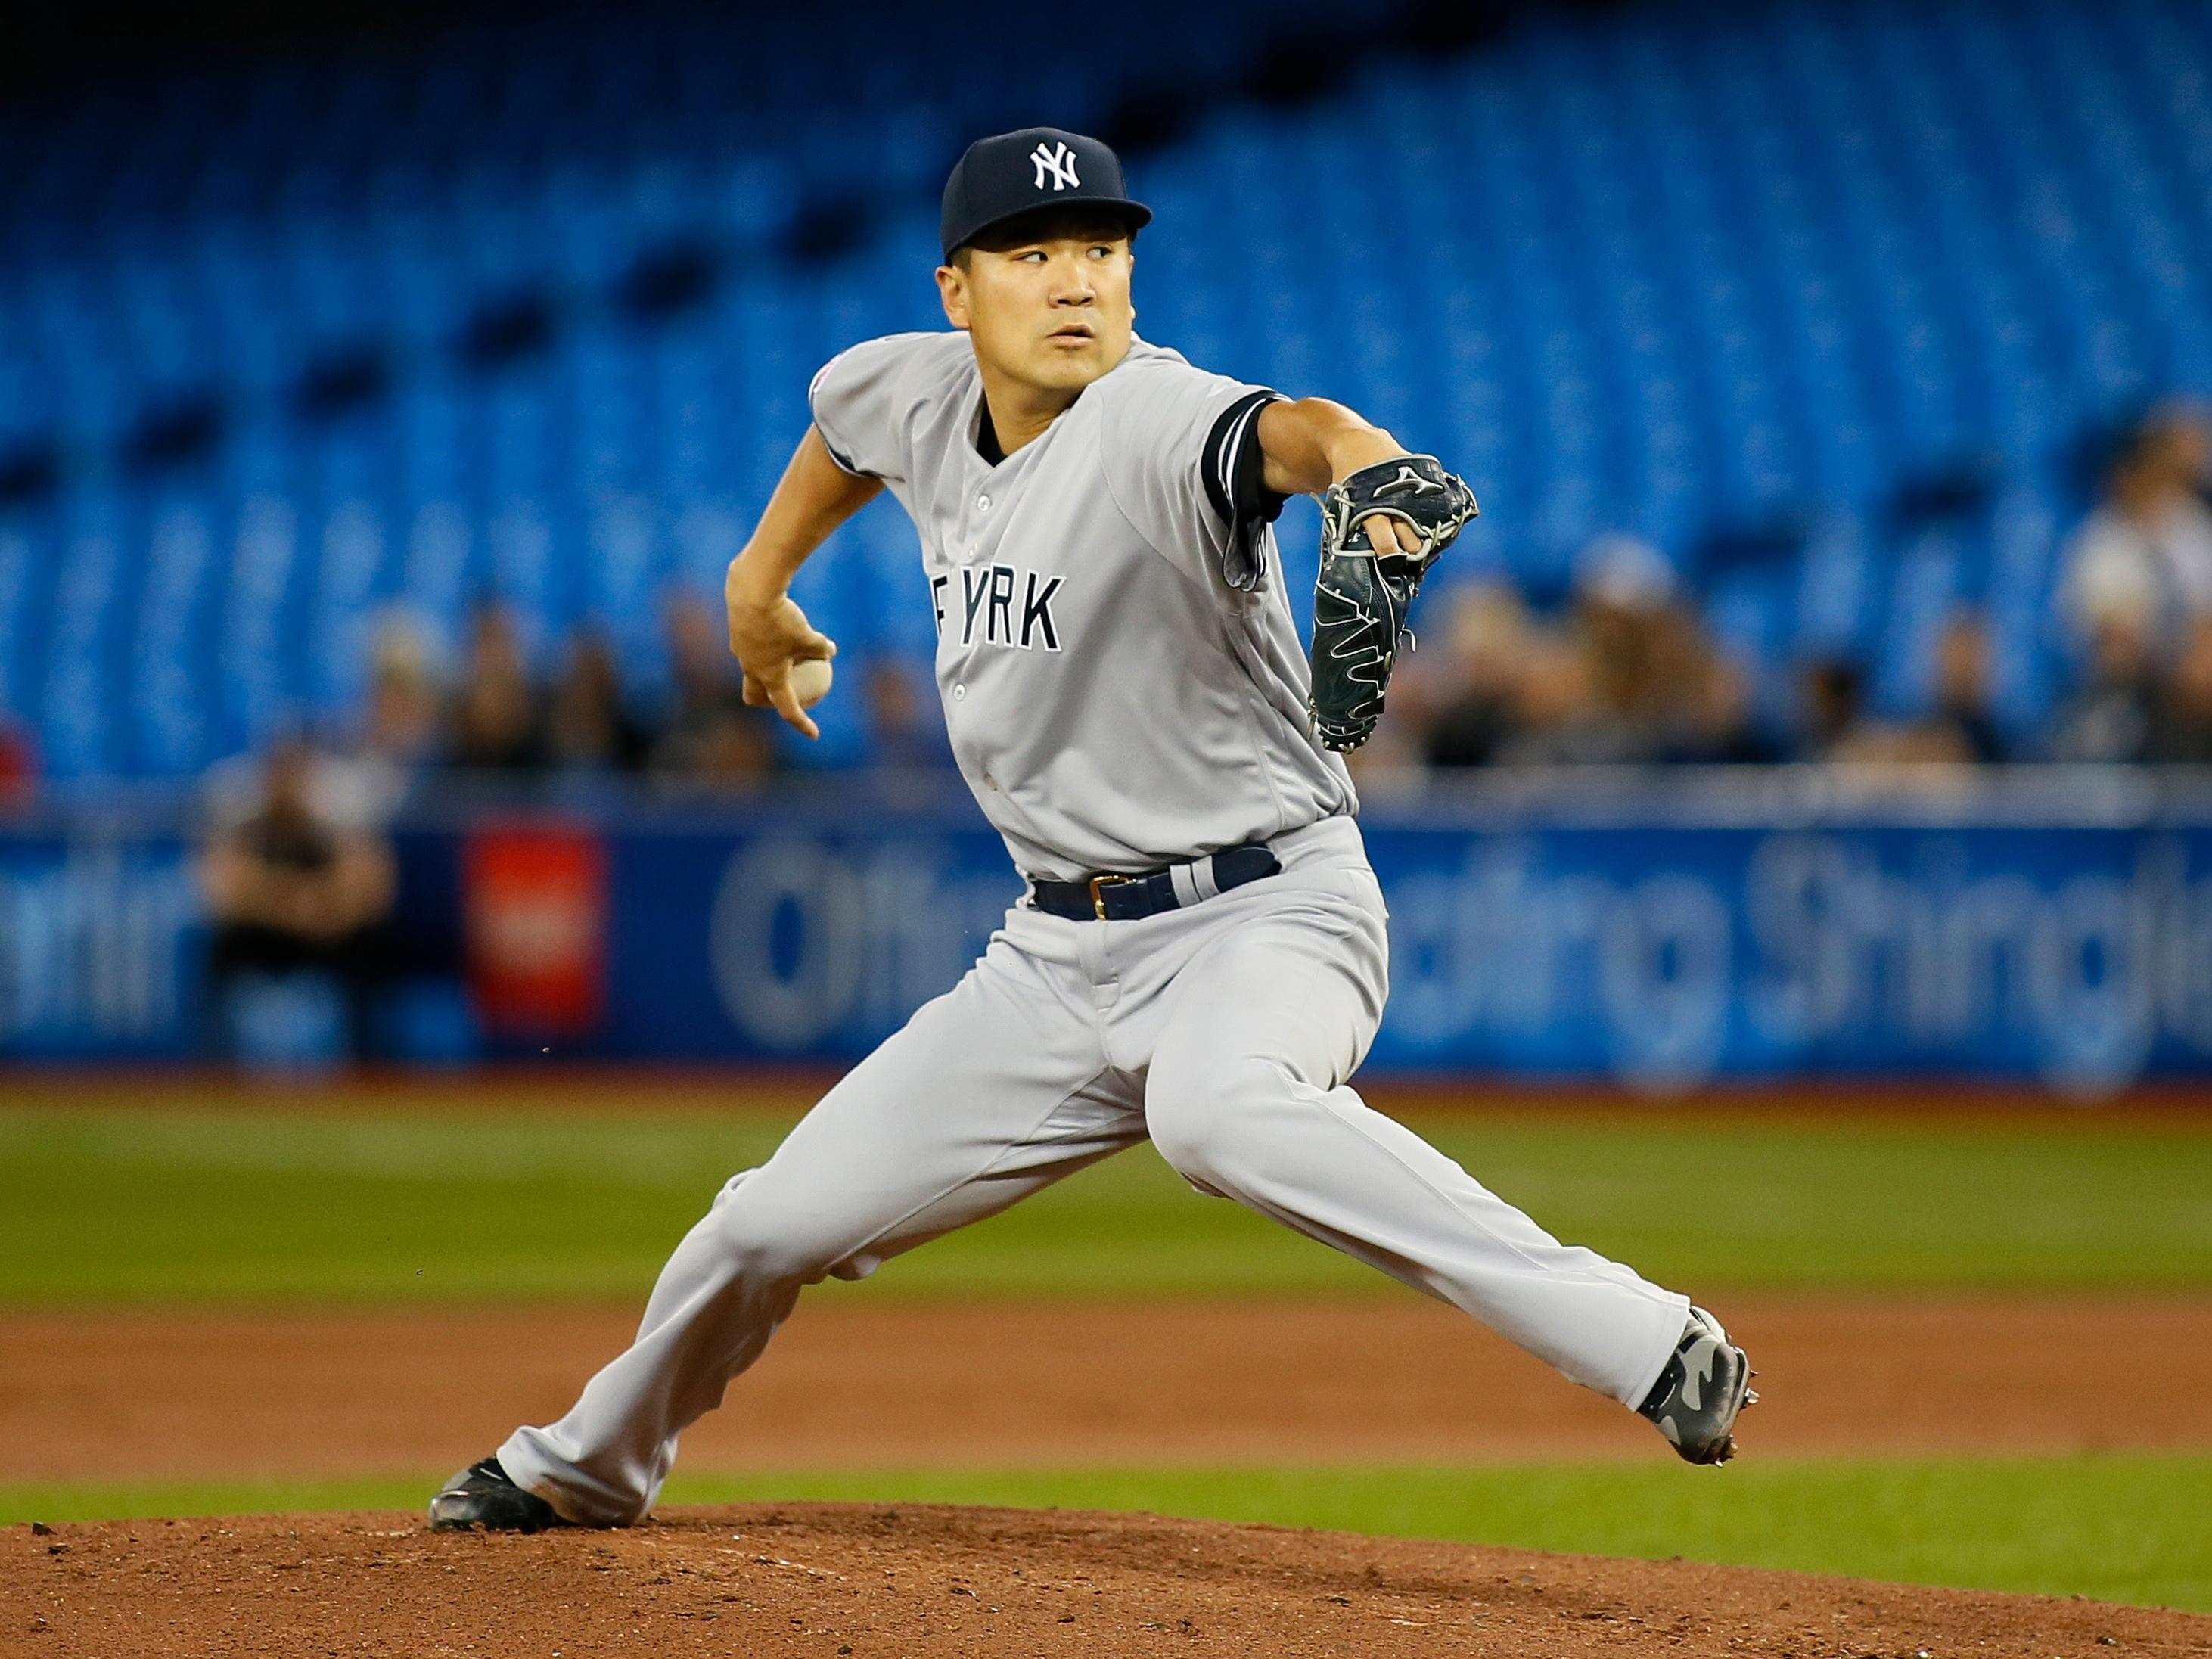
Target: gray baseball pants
(1224, 1031)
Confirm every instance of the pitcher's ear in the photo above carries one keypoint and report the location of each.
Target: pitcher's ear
(952, 292)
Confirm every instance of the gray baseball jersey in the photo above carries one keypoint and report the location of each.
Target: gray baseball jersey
(1121, 673)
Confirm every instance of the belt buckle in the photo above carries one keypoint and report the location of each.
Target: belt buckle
(1097, 898)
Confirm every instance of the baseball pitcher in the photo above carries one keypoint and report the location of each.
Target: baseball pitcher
(1200, 956)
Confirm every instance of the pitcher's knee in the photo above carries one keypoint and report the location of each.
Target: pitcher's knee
(1210, 1117)
(773, 1243)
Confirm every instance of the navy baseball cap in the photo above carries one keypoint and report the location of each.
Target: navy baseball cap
(1016, 172)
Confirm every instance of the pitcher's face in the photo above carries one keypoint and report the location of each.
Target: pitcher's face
(1047, 307)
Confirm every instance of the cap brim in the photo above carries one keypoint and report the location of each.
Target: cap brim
(1137, 215)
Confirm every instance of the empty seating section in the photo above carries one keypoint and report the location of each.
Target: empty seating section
(1821, 298)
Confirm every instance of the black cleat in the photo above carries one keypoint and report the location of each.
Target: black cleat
(481, 1495)
(1706, 1383)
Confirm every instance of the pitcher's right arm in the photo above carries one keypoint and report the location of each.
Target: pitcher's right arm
(767, 631)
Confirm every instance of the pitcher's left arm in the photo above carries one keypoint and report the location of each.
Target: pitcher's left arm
(1386, 514)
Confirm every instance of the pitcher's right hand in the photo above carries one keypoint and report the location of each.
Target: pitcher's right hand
(767, 634)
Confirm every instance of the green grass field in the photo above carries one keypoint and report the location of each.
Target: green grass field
(446, 1200)
(103, 1205)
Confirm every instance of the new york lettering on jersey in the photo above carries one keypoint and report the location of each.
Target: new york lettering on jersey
(989, 591)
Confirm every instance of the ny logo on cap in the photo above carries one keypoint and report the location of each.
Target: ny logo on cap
(1058, 162)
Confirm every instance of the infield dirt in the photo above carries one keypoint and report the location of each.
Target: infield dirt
(925, 1582)
(171, 1393)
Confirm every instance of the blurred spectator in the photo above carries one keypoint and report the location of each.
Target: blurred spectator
(291, 891)
(1700, 706)
(1632, 639)
(1961, 724)
(1623, 576)
(1837, 730)
(710, 734)
(1554, 707)
(1632, 679)
(906, 730)
(19, 762)
(1488, 640)
(1833, 697)
(734, 750)
(400, 732)
(402, 727)
(2141, 562)
(1659, 689)
(2181, 726)
(1717, 727)
(494, 722)
(2109, 718)
(586, 726)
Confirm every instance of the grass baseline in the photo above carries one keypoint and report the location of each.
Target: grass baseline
(108, 1203)
(2124, 1527)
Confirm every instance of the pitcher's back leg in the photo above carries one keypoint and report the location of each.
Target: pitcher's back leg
(989, 1093)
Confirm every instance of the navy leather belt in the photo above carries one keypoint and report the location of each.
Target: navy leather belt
(1126, 898)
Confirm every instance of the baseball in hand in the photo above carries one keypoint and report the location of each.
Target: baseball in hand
(810, 681)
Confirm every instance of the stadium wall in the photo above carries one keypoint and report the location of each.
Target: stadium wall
(2055, 929)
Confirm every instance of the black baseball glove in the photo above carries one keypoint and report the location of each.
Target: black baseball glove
(1361, 598)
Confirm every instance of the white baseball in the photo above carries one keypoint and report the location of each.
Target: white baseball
(809, 680)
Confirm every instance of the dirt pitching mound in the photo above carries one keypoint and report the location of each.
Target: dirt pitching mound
(921, 1582)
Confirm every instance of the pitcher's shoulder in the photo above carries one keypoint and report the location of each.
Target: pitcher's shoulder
(1146, 370)
(938, 355)
(1153, 392)
(917, 362)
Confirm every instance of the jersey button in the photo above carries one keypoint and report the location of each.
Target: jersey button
(959, 692)
(984, 502)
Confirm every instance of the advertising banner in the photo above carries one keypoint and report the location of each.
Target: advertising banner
(534, 901)
(794, 943)
(100, 946)
(1661, 953)
(1665, 957)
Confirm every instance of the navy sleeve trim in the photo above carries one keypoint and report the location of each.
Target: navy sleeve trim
(1234, 469)
(1231, 462)
(832, 449)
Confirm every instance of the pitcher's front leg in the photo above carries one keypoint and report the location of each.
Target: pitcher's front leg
(1246, 1096)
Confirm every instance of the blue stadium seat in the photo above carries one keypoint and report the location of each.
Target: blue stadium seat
(167, 694)
(26, 557)
(1686, 269)
(77, 711)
